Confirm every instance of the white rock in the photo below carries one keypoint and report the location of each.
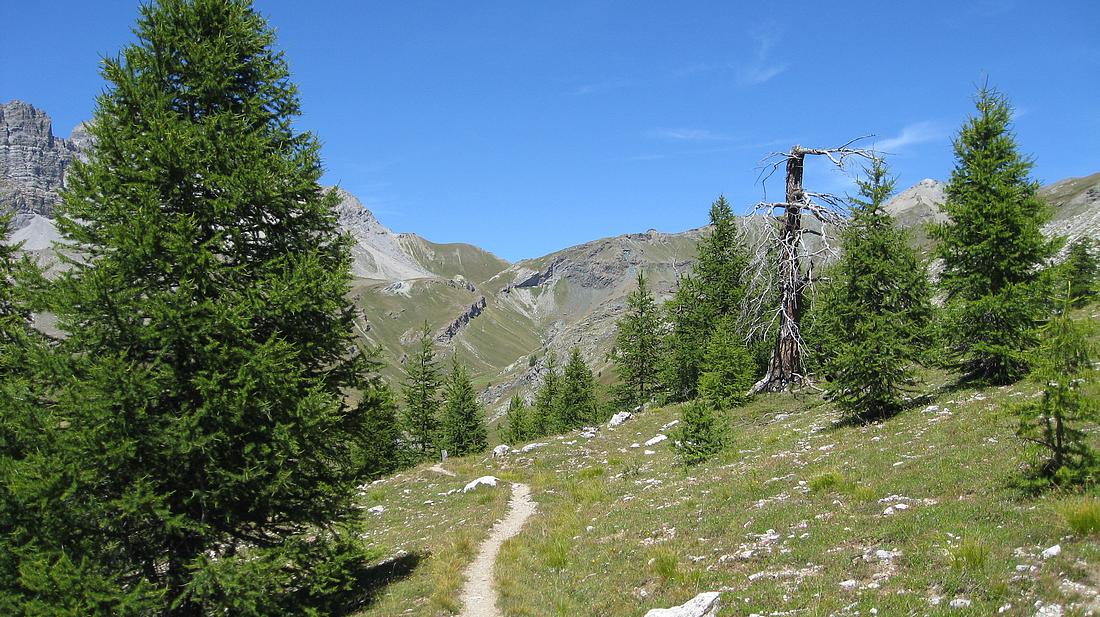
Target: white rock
(703, 605)
(649, 452)
(656, 440)
(849, 584)
(619, 418)
(959, 603)
(1004, 609)
(532, 446)
(670, 425)
(501, 450)
(486, 480)
(901, 506)
(1053, 551)
(376, 509)
(888, 511)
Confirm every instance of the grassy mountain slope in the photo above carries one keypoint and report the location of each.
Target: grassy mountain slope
(455, 259)
(916, 515)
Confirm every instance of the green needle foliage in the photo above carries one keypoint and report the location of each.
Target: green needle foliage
(714, 290)
(421, 413)
(517, 422)
(210, 453)
(875, 315)
(992, 247)
(1060, 421)
(728, 367)
(463, 425)
(544, 415)
(637, 346)
(577, 404)
(700, 434)
(1082, 271)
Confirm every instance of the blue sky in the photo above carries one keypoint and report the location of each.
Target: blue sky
(526, 127)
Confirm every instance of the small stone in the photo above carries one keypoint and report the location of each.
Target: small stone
(376, 509)
(959, 603)
(849, 584)
(1053, 551)
(656, 440)
(501, 450)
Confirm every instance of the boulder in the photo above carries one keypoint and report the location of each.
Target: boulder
(501, 450)
(483, 480)
(619, 418)
(703, 605)
(656, 440)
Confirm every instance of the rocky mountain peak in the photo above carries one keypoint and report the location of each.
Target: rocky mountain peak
(33, 161)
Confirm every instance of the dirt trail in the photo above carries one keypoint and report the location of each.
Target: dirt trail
(479, 595)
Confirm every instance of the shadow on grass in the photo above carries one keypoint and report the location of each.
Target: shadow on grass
(371, 581)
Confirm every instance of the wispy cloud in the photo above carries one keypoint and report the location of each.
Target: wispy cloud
(762, 67)
(687, 134)
(913, 134)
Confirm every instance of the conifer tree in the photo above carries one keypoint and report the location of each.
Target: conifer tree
(420, 415)
(728, 368)
(544, 415)
(1060, 422)
(700, 434)
(714, 289)
(463, 424)
(637, 345)
(878, 308)
(1082, 270)
(577, 403)
(516, 422)
(992, 247)
(211, 450)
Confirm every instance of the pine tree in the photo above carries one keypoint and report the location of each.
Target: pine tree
(878, 308)
(420, 415)
(211, 450)
(700, 434)
(463, 425)
(577, 403)
(637, 345)
(1060, 422)
(728, 367)
(544, 415)
(992, 247)
(714, 289)
(1082, 270)
(516, 422)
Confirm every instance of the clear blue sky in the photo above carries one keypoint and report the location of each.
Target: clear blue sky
(525, 127)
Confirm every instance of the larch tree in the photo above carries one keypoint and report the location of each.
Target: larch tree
(462, 429)
(1082, 270)
(420, 415)
(212, 447)
(992, 247)
(1060, 421)
(516, 428)
(544, 414)
(714, 289)
(577, 403)
(637, 346)
(877, 316)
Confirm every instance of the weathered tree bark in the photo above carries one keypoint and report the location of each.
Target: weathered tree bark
(784, 369)
(796, 263)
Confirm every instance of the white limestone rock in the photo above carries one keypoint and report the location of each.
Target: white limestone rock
(703, 605)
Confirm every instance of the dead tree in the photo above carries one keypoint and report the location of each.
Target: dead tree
(784, 238)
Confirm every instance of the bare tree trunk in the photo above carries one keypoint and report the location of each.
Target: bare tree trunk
(785, 367)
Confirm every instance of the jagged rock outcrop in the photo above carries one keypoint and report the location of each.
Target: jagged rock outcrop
(447, 334)
(33, 161)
